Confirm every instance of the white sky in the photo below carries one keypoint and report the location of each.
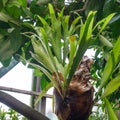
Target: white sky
(19, 77)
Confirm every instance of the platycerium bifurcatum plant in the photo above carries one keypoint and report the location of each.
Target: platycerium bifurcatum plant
(60, 45)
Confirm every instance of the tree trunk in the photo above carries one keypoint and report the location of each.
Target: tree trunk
(78, 102)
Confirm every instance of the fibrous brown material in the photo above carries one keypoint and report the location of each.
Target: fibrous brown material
(78, 102)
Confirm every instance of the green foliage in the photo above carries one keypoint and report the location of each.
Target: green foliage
(113, 85)
(46, 88)
(105, 42)
(98, 115)
(110, 6)
(52, 46)
(11, 39)
(44, 81)
(83, 42)
(52, 35)
(111, 63)
(111, 114)
(11, 115)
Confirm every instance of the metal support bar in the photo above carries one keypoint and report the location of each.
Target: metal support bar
(43, 105)
(33, 93)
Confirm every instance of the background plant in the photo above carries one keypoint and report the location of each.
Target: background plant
(10, 114)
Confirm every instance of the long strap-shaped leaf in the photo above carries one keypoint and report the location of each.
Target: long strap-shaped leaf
(84, 40)
(43, 92)
(110, 111)
(104, 22)
(55, 33)
(113, 85)
(42, 55)
(111, 63)
(53, 81)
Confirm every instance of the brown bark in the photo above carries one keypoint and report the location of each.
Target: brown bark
(78, 102)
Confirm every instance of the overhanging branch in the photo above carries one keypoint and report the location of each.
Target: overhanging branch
(20, 107)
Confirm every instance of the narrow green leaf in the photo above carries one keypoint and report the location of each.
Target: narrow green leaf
(23, 2)
(41, 38)
(54, 82)
(107, 19)
(104, 22)
(83, 43)
(86, 29)
(59, 66)
(12, 3)
(99, 23)
(65, 25)
(114, 19)
(44, 37)
(105, 42)
(43, 92)
(43, 21)
(81, 31)
(73, 48)
(111, 114)
(41, 55)
(51, 10)
(44, 81)
(37, 72)
(111, 63)
(89, 26)
(60, 14)
(55, 37)
(52, 16)
(113, 85)
(73, 26)
(46, 73)
(43, 61)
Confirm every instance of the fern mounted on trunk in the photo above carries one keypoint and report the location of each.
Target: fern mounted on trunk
(59, 46)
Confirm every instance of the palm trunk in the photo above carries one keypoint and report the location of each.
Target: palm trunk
(78, 102)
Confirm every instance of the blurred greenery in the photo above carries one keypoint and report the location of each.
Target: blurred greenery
(10, 114)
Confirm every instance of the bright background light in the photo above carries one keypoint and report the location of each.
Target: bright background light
(19, 77)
